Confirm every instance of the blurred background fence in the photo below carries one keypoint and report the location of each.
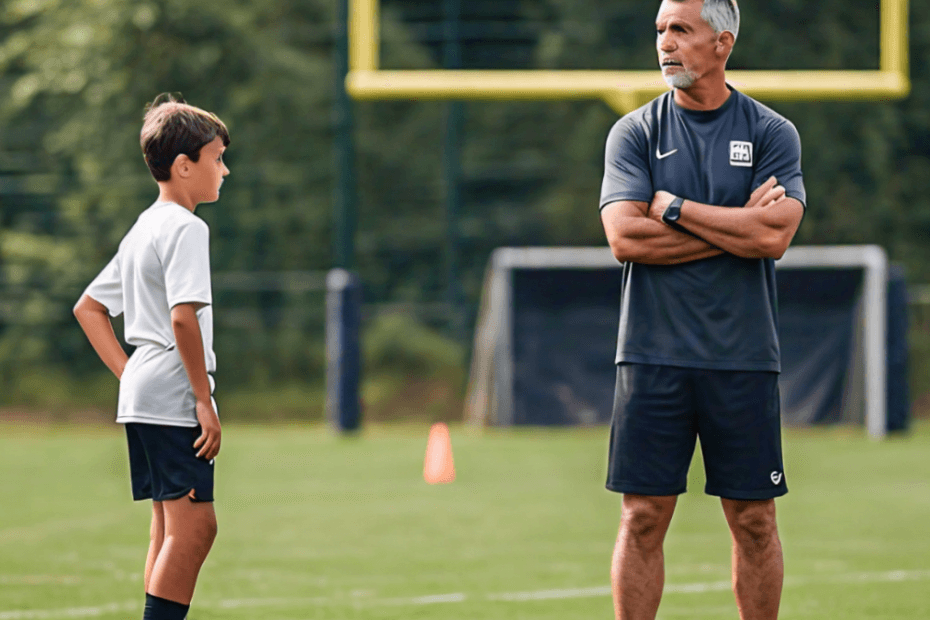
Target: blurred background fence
(438, 185)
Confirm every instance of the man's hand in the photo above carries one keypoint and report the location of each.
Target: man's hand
(209, 440)
(659, 204)
(766, 194)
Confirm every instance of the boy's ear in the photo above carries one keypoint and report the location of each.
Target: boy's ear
(181, 166)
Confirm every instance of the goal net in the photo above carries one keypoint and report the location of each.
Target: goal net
(546, 336)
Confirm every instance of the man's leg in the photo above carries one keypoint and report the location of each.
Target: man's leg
(758, 565)
(157, 539)
(190, 528)
(638, 568)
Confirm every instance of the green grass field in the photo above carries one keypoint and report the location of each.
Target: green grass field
(317, 526)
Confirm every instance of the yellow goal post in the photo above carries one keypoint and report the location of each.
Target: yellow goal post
(623, 91)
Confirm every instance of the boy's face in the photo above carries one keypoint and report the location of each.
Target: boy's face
(208, 171)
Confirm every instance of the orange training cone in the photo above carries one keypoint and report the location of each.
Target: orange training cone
(438, 467)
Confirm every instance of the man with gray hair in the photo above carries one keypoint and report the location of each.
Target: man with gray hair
(702, 191)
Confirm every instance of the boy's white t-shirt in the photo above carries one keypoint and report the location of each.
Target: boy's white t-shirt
(163, 260)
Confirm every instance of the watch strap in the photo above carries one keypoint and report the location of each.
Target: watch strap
(673, 223)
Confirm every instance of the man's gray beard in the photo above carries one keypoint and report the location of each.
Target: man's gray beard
(680, 79)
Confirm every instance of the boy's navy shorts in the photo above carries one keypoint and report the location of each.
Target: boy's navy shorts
(659, 412)
(163, 463)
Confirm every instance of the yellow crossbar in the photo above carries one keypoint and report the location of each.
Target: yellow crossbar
(624, 91)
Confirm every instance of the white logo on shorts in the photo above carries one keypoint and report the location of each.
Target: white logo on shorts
(776, 477)
(741, 153)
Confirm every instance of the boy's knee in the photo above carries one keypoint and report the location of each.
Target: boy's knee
(212, 529)
(157, 536)
(206, 528)
(201, 534)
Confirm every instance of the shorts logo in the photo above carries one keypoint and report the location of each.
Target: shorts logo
(741, 153)
(776, 477)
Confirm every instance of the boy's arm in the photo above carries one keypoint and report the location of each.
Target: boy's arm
(95, 321)
(190, 346)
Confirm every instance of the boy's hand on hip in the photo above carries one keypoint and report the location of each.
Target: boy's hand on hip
(209, 440)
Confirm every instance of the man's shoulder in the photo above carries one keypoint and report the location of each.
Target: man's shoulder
(645, 114)
(763, 115)
(641, 121)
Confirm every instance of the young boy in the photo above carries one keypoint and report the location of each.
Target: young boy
(160, 280)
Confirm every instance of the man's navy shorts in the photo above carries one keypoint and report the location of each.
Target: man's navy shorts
(659, 413)
(163, 463)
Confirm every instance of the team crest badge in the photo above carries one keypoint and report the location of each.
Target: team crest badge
(740, 153)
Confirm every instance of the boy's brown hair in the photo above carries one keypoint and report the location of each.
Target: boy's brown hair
(173, 127)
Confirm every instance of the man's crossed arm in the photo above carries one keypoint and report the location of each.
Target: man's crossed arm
(763, 228)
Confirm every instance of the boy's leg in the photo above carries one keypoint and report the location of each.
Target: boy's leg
(157, 539)
(190, 528)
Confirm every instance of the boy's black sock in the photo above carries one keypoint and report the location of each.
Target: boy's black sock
(162, 609)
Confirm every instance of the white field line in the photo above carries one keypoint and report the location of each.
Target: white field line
(71, 612)
(459, 597)
(38, 580)
(57, 527)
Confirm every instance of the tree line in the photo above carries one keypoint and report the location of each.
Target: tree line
(76, 75)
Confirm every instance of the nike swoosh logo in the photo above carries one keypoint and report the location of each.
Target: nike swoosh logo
(664, 155)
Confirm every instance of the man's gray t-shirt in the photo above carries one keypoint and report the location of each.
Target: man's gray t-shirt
(716, 313)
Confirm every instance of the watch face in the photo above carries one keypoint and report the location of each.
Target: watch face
(673, 211)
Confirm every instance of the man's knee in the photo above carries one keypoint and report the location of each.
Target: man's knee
(645, 519)
(753, 524)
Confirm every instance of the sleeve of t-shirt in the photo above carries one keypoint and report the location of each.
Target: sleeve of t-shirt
(626, 164)
(780, 156)
(185, 259)
(107, 288)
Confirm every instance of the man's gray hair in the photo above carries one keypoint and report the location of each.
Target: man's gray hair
(722, 15)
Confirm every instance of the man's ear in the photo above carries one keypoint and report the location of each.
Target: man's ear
(725, 43)
(181, 166)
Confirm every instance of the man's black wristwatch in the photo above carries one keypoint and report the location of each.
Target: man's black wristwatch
(673, 212)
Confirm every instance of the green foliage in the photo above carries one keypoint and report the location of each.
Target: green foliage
(411, 371)
(397, 343)
(59, 394)
(79, 74)
(72, 180)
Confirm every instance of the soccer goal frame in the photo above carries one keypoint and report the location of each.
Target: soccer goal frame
(624, 91)
(490, 394)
